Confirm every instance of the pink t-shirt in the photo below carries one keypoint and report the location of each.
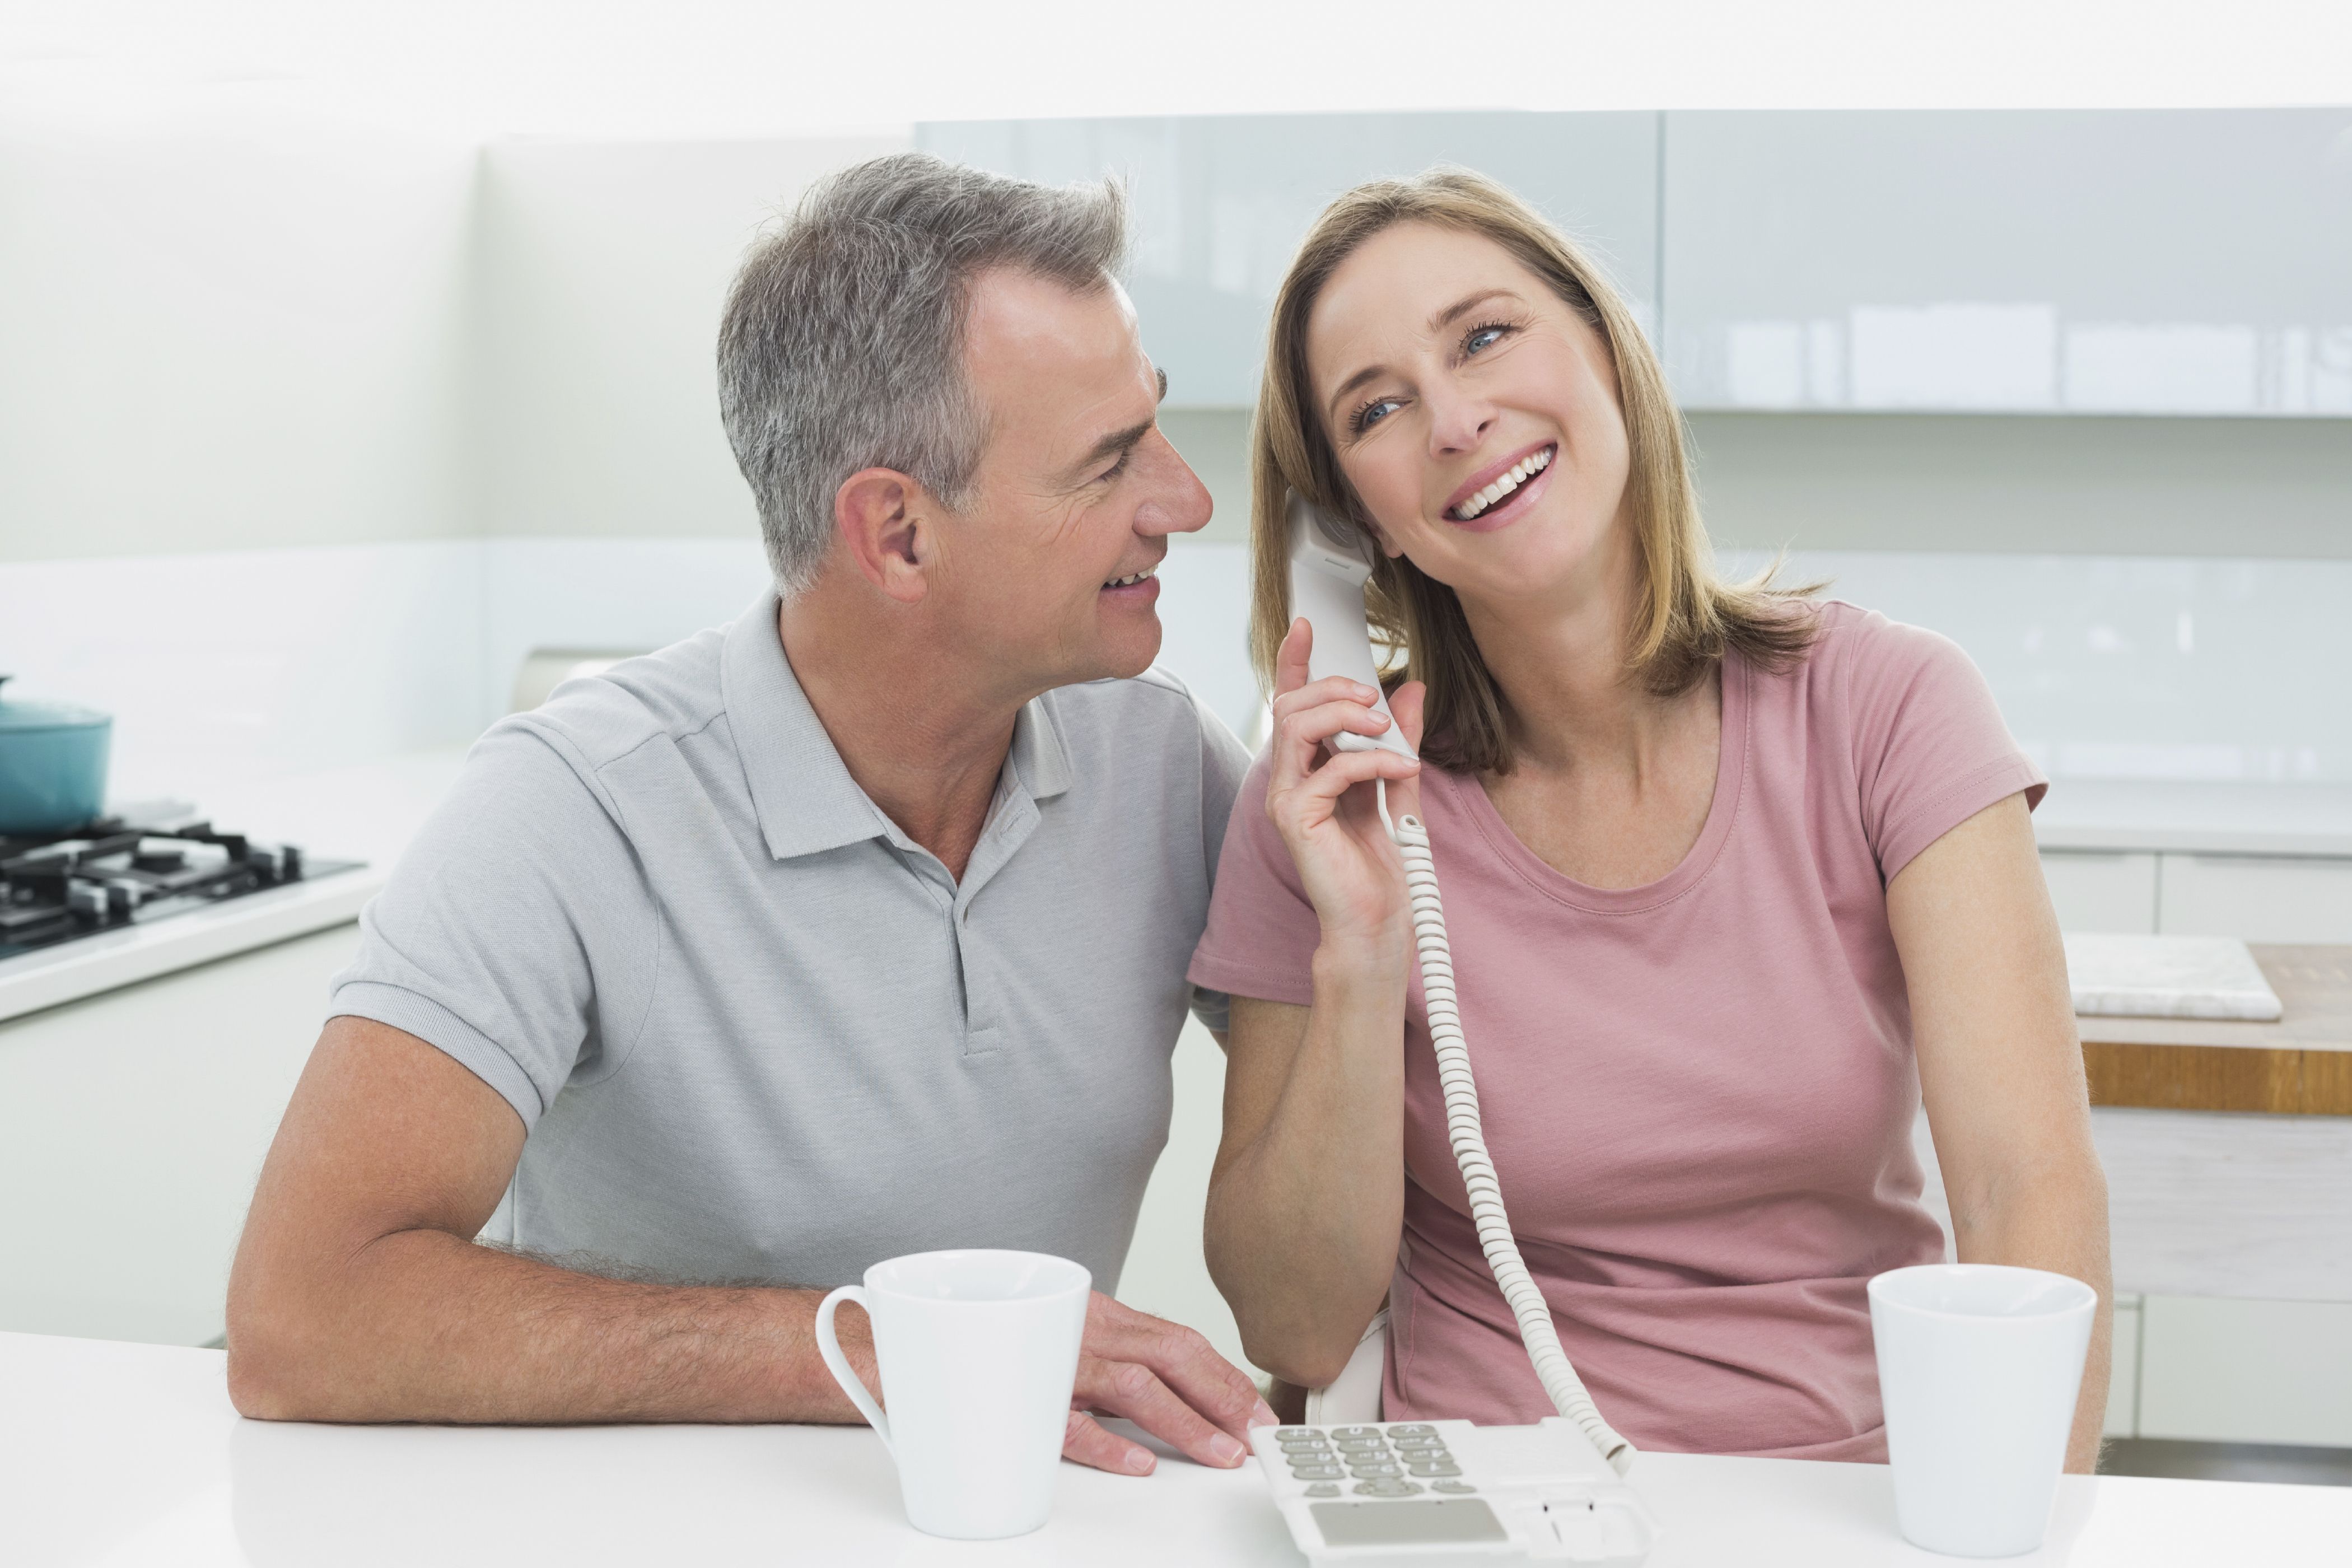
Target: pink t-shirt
(1698, 1093)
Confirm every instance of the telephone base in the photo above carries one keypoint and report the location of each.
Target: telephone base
(1406, 1494)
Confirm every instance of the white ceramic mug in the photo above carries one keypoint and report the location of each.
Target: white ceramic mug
(1979, 1366)
(979, 1354)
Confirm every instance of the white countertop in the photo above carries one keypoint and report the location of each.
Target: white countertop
(121, 1453)
(366, 813)
(2207, 818)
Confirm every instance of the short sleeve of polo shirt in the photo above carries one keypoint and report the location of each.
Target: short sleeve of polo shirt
(1224, 762)
(515, 935)
(1929, 747)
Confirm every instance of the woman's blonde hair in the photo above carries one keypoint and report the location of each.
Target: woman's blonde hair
(1687, 617)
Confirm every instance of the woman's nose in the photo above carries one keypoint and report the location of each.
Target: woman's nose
(1458, 421)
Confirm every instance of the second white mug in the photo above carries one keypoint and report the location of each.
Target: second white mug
(1980, 1367)
(979, 1354)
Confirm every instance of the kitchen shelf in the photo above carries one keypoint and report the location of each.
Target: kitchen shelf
(2301, 1066)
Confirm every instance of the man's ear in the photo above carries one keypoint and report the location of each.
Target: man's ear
(888, 522)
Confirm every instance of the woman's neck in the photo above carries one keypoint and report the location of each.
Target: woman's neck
(1572, 703)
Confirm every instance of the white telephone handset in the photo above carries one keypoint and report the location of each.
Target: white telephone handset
(1330, 562)
(1507, 1493)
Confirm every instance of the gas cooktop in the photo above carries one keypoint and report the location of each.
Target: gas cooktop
(142, 865)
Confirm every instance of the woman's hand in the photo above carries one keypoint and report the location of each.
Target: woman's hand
(1321, 800)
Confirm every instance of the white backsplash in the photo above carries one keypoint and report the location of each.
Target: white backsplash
(2176, 669)
(225, 669)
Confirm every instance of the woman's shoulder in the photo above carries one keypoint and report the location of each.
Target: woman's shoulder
(1859, 657)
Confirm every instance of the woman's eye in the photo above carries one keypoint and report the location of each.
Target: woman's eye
(1483, 338)
(1371, 414)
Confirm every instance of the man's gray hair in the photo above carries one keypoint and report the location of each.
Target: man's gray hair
(842, 347)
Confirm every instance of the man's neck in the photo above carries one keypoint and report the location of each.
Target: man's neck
(922, 737)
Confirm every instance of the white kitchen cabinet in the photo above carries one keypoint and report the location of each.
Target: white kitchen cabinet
(2102, 890)
(2237, 1370)
(1219, 203)
(2261, 897)
(1167, 1270)
(2123, 1372)
(131, 1127)
(2122, 262)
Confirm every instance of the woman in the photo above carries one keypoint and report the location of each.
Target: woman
(1732, 878)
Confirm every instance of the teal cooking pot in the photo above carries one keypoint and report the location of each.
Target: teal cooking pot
(52, 764)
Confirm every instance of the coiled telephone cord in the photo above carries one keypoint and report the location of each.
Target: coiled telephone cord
(1520, 1290)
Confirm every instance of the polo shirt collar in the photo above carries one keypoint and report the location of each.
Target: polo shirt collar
(802, 792)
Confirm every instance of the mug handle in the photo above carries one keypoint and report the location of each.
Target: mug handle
(838, 1365)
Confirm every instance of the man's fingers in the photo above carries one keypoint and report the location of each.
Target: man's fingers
(1183, 1359)
(1133, 1390)
(1087, 1442)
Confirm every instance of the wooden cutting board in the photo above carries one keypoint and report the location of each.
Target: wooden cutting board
(2300, 1065)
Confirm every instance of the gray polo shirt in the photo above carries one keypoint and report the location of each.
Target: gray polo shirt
(754, 1031)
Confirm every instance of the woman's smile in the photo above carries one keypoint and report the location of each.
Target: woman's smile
(1501, 493)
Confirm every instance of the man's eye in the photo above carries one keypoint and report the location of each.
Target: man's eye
(1116, 469)
(1371, 414)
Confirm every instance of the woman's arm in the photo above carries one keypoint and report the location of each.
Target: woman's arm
(2000, 1067)
(1307, 1197)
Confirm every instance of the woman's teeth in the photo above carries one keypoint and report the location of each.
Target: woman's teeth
(1528, 469)
(1132, 578)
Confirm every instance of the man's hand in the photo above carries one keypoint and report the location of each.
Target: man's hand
(1164, 1377)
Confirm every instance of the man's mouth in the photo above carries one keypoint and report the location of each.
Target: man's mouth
(1501, 487)
(1132, 578)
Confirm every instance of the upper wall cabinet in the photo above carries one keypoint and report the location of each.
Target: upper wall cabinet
(2137, 262)
(1221, 203)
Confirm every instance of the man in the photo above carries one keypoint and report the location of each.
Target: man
(856, 928)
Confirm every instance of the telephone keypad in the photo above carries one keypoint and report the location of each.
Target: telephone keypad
(1387, 1487)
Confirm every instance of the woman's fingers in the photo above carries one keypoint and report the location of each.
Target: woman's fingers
(1317, 795)
(1290, 658)
(1305, 719)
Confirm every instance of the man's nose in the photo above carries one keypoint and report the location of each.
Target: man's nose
(1174, 501)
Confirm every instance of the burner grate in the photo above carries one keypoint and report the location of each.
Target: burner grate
(56, 888)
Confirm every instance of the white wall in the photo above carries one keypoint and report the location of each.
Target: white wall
(604, 270)
(230, 322)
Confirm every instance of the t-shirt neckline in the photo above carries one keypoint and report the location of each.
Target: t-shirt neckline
(1730, 771)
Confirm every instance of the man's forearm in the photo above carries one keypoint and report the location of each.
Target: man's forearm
(420, 1325)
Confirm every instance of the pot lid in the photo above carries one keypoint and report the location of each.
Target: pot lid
(18, 716)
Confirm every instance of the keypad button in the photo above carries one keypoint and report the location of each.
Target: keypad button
(1412, 1429)
(1355, 1432)
(1423, 1447)
(1375, 1468)
(1305, 1448)
(1316, 1472)
(1455, 1489)
(1326, 1488)
(1296, 1434)
(1435, 1470)
(1386, 1489)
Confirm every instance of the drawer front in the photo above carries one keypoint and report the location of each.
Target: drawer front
(2246, 1372)
(2259, 897)
(2097, 890)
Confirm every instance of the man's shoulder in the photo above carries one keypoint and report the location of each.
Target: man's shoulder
(1155, 709)
(671, 694)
